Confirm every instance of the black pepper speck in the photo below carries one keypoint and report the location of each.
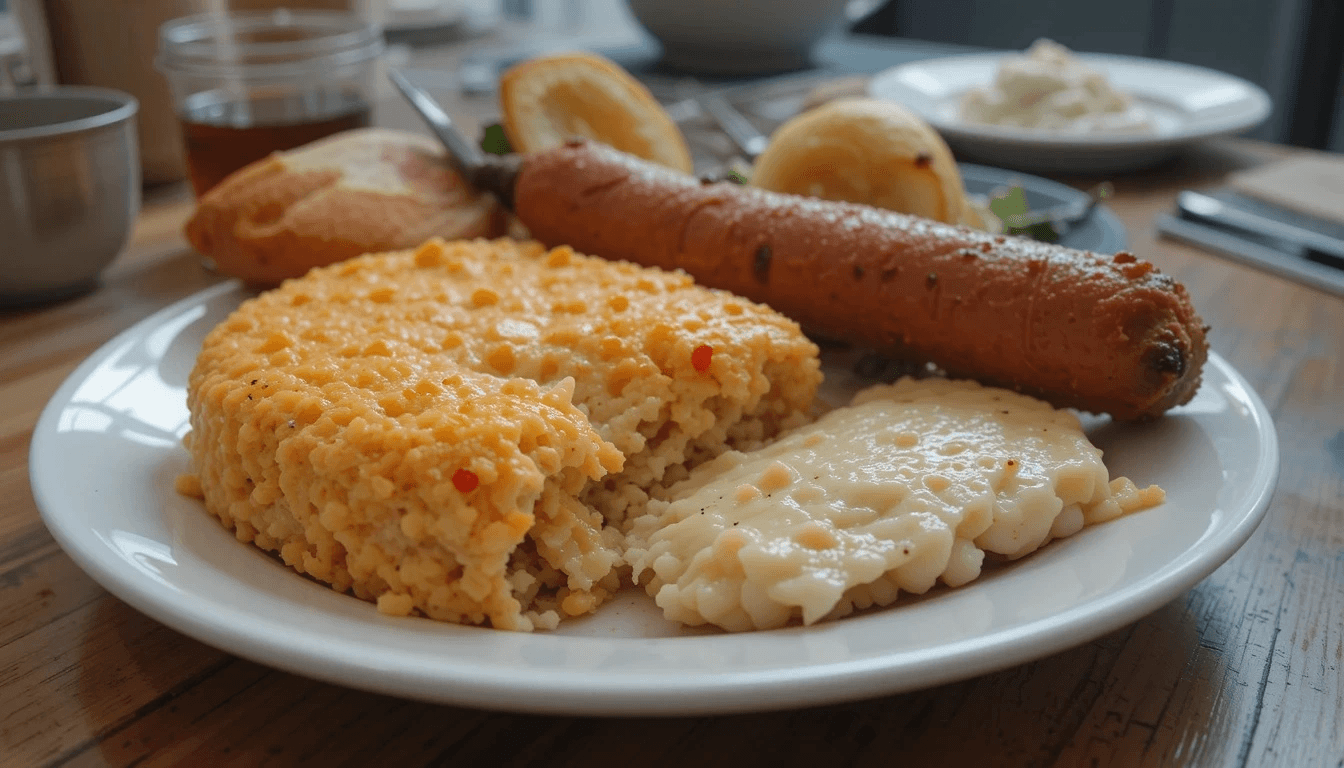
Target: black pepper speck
(760, 266)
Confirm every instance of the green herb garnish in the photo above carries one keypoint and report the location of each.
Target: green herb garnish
(1010, 205)
(494, 141)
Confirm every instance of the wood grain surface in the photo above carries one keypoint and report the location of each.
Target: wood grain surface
(1243, 670)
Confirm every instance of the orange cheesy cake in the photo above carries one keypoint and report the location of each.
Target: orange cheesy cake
(465, 430)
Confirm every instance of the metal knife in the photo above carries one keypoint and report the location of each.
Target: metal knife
(491, 173)
(1315, 246)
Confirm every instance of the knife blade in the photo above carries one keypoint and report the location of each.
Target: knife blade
(490, 173)
(1313, 245)
(1248, 251)
(466, 156)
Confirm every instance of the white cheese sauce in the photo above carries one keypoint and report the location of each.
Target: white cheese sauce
(911, 484)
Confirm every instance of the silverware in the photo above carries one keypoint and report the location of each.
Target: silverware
(1280, 247)
(69, 189)
(491, 173)
(1245, 251)
(745, 135)
(467, 156)
(1313, 245)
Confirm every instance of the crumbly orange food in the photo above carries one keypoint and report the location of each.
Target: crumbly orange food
(463, 430)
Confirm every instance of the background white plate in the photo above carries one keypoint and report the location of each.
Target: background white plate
(1188, 103)
(106, 451)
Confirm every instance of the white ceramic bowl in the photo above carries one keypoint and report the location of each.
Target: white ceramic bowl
(71, 169)
(737, 37)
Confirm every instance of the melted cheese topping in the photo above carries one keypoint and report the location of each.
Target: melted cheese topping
(912, 484)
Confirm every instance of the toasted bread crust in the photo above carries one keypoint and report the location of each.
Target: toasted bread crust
(865, 151)
(358, 192)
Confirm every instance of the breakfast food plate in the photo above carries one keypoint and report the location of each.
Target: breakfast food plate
(1186, 104)
(107, 450)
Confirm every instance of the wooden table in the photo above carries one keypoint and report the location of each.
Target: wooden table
(1244, 669)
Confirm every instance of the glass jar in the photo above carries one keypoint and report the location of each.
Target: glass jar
(248, 84)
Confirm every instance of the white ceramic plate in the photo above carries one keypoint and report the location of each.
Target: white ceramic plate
(106, 451)
(1188, 103)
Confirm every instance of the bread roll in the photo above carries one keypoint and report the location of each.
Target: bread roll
(356, 192)
(865, 151)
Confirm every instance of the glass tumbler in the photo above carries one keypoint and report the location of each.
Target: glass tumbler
(247, 84)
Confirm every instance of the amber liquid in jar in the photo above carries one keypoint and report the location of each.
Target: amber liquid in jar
(223, 136)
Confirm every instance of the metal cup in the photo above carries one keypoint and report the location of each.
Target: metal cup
(69, 189)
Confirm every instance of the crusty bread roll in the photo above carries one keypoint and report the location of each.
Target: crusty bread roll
(865, 151)
(356, 192)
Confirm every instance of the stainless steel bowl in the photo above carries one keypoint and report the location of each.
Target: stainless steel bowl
(69, 189)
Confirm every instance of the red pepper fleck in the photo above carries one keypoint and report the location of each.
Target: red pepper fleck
(701, 356)
(465, 481)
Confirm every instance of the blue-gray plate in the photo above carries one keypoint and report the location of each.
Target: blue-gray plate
(1101, 232)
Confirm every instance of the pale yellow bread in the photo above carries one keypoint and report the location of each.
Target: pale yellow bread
(357, 192)
(549, 99)
(867, 151)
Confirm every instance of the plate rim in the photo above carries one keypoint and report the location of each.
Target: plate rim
(665, 692)
(958, 130)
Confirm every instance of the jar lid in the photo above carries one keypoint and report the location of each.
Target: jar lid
(281, 43)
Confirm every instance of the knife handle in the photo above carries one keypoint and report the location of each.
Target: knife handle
(1320, 248)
